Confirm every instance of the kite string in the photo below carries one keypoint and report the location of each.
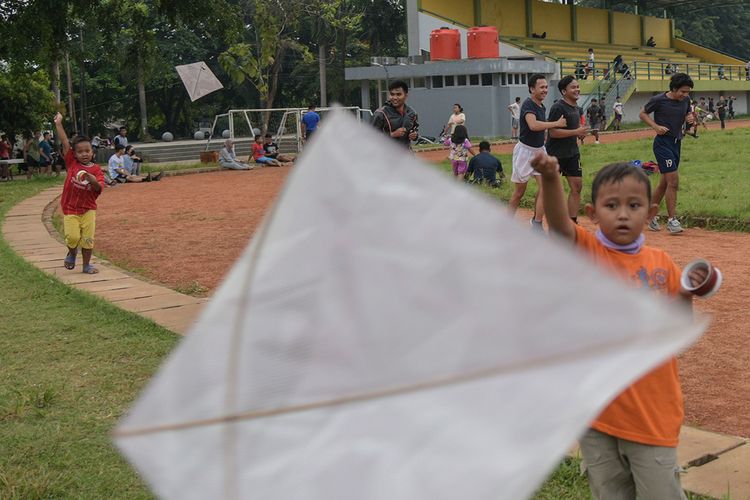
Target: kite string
(542, 362)
(231, 486)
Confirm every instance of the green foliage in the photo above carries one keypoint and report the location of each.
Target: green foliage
(27, 102)
(272, 34)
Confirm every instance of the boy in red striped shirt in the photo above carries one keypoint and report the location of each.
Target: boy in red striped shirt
(82, 187)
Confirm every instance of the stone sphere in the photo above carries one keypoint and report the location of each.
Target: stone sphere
(225, 134)
(199, 136)
(167, 137)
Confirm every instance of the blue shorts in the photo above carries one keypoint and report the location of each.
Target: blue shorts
(667, 151)
(263, 159)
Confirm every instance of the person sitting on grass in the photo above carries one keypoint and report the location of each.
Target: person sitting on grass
(82, 186)
(259, 154)
(630, 450)
(485, 167)
(228, 158)
(132, 161)
(119, 173)
(272, 151)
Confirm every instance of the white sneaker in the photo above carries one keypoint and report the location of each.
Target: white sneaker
(653, 224)
(674, 226)
(536, 225)
(597, 142)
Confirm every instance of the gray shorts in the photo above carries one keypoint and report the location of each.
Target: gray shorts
(619, 469)
(514, 122)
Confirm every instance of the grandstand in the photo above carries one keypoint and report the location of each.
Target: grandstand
(568, 32)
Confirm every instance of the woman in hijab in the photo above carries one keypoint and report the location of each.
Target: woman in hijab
(228, 159)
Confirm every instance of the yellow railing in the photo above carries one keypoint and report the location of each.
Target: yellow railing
(653, 70)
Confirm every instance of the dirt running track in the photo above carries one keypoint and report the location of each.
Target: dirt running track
(190, 229)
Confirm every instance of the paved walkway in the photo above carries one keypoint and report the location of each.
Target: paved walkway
(28, 230)
(716, 465)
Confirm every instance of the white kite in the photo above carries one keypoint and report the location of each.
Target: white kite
(198, 79)
(391, 334)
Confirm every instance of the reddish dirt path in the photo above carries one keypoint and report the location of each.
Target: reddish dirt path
(440, 155)
(190, 229)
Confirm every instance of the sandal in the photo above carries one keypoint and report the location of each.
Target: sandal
(70, 261)
(89, 269)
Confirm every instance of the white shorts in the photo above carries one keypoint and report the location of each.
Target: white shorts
(522, 156)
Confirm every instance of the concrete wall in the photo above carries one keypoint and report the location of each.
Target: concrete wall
(552, 18)
(660, 29)
(508, 16)
(592, 25)
(459, 10)
(626, 29)
(486, 108)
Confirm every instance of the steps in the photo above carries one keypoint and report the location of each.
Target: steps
(166, 152)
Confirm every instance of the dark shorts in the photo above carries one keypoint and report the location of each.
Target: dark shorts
(667, 152)
(571, 167)
(309, 133)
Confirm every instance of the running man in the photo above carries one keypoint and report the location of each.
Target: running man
(562, 143)
(533, 124)
(594, 115)
(671, 111)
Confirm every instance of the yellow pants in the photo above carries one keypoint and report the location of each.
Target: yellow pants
(79, 230)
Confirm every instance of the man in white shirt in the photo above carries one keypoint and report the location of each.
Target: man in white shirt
(617, 107)
(515, 114)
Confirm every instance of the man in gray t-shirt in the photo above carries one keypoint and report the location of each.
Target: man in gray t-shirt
(671, 110)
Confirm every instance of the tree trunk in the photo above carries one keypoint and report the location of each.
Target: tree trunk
(322, 70)
(71, 100)
(342, 65)
(273, 86)
(55, 74)
(142, 96)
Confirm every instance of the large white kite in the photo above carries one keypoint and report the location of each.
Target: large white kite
(198, 79)
(391, 334)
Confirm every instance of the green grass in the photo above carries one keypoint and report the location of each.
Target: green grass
(70, 365)
(566, 483)
(166, 167)
(714, 176)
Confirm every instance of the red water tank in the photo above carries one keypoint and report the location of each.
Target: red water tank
(445, 44)
(482, 42)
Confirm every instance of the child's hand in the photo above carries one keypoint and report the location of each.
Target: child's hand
(58, 118)
(545, 164)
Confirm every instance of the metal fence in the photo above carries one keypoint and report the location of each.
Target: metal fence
(651, 70)
(282, 123)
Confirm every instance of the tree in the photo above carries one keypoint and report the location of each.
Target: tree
(27, 101)
(260, 60)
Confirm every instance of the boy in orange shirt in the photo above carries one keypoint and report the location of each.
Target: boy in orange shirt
(631, 448)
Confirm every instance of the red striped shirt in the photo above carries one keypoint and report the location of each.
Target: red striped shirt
(78, 198)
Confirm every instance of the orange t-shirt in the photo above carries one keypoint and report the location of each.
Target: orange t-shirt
(651, 410)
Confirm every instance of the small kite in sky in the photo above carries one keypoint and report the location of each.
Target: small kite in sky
(198, 79)
(391, 334)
